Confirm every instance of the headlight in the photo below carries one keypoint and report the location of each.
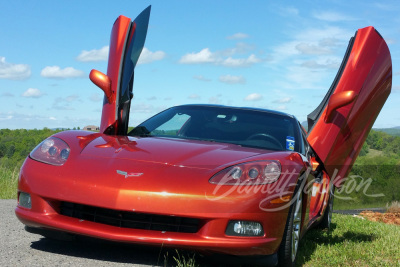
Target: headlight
(53, 151)
(256, 172)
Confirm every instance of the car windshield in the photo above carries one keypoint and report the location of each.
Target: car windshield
(240, 126)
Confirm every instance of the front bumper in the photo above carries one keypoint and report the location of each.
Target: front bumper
(204, 240)
(49, 191)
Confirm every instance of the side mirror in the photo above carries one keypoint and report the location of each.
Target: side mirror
(338, 100)
(314, 164)
(103, 82)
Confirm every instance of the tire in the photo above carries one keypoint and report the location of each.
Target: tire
(327, 217)
(291, 237)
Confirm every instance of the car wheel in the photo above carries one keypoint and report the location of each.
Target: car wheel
(291, 236)
(327, 218)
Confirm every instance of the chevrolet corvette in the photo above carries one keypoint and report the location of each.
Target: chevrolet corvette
(231, 180)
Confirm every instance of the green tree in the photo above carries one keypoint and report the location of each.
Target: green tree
(10, 151)
(3, 150)
(364, 149)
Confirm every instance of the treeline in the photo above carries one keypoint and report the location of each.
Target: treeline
(15, 145)
(392, 131)
(388, 144)
(375, 177)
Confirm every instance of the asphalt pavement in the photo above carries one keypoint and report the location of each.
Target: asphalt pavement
(20, 248)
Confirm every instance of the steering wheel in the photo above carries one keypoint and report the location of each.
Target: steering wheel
(266, 136)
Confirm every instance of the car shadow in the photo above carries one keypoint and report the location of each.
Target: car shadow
(107, 251)
(102, 250)
(317, 237)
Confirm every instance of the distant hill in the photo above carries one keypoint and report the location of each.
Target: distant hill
(395, 131)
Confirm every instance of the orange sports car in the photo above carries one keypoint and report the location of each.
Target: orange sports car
(231, 180)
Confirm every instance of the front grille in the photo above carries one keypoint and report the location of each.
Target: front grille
(127, 219)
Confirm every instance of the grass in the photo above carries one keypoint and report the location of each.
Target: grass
(351, 242)
(374, 153)
(182, 261)
(8, 183)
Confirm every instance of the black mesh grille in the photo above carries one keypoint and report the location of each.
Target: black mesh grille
(127, 219)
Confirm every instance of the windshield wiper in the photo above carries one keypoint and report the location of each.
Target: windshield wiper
(140, 131)
(144, 135)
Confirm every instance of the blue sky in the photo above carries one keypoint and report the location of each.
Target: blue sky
(280, 55)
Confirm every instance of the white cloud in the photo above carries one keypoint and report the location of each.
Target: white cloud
(147, 56)
(151, 98)
(96, 97)
(283, 100)
(201, 78)
(231, 79)
(298, 77)
(70, 98)
(281, 107)
(219, 58)
(101, 54)
(143, 108)
(253, 97)
(240, 48)
(64, 103)
(396, 88)
(32, 93)
(204, 56)
(390, 41)
(4, 116)
(331, 16)
(310, 57)
(288, 11)
(55, 72)
(7, 94)
(194, 96)
(94, 55)
(332, 42)
(238, 36)
(311, 49)
(386, 7)
(214, 100)
(314, 38)
(312, 64)
(13, 120)
(13, 71)
(240, 62)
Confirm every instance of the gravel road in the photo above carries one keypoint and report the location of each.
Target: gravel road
(20, 248)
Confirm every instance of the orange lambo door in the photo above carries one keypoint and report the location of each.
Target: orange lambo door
(341, 123)
(126, 44)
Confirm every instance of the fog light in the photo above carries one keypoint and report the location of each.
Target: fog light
(244, 228)
(25, 200)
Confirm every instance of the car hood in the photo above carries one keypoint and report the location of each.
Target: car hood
(167, 151)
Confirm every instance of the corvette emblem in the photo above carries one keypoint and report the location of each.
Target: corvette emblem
(131, 174)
